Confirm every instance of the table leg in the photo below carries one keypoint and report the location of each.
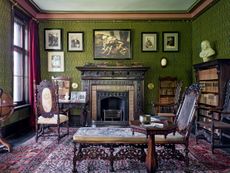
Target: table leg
(151, 157)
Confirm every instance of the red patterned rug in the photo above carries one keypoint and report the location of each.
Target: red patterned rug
(47, 156)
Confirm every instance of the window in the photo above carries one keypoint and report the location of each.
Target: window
(20, 59)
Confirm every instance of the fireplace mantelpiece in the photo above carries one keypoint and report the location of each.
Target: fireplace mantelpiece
(114, 78)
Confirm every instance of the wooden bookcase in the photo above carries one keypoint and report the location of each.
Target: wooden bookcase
(167, 88)
(212, 77)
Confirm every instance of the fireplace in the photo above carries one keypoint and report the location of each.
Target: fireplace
(112, 106)
(115, 94)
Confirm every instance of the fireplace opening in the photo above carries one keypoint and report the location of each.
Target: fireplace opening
(112, 106)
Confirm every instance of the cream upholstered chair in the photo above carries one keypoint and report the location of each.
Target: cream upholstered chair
(184, 118)
(47, 110)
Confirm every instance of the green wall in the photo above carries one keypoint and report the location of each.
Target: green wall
(213, 25)
(179, 63)
(5, 46)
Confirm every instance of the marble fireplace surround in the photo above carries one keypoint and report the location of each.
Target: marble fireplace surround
(115, 79)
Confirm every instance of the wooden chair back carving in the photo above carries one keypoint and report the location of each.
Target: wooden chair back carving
(63, 83)
(47, 99)
(186, 111)
(226, 106)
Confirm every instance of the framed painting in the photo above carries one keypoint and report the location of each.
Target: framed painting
(78, 96)
(53, 39)
(149, 41)
(170, 41)
(55, 61)
(75, 41)
(112, 44)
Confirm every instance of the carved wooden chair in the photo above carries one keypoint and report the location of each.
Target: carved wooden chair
(184, 118)
(219, 124)
(173, 106)
(64, 84)
(47, 111)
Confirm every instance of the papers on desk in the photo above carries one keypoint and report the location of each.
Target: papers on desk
(155, 119)
(63, 101)
(157, 125)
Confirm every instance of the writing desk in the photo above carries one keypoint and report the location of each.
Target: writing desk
(66, 105)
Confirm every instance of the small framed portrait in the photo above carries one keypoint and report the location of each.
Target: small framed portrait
(53, 39)
(149, 41)
(78, 96)
(170, 41)
(112, 44)
(55, 61)
(75, 41)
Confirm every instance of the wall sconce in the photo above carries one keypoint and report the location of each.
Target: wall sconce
(150, 86)
(74, 85)
(164, 62)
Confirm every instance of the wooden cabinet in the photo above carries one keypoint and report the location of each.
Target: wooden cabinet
(212, 77)
(167, 89)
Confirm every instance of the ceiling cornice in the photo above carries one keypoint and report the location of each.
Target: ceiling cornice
(29, 7)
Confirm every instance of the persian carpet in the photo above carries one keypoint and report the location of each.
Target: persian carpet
(47, 156)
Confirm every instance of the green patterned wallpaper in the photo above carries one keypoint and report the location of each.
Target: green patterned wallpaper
(5, 46)
(213, 25)
(179, 63)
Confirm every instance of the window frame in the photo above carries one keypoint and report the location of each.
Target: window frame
(23, 20)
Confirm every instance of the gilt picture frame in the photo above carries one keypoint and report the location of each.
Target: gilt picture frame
(75, 41)
(170, 41)
(112, 44)
(53, 39)
(149, 42)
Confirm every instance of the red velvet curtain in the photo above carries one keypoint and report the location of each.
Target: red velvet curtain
(34, 61)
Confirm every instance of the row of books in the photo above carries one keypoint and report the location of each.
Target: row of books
(209, 86)
(208, 74)
(211, 99)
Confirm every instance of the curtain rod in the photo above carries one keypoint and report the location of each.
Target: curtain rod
(15, 4)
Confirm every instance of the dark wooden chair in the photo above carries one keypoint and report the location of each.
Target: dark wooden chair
(219, 124)
(172, 107)
(64, 84)
(184, 118)
(47, 111)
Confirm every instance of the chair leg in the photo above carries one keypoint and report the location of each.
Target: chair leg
(67, 127)
(36, 138)
(212, 140)
(186, 155)
(58, 131)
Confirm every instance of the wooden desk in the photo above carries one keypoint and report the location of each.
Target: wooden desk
(82, 106)
(150, 132)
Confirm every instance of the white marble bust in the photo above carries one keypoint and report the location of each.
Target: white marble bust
(206, 51)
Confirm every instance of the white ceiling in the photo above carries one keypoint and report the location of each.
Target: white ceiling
(153, 6)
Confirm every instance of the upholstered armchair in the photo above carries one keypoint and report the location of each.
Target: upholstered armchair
(184, 119)
(219, 124)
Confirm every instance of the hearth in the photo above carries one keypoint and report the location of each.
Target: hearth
(112, 106)
(117, 91)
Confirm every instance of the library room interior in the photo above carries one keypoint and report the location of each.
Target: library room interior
(114, 86)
